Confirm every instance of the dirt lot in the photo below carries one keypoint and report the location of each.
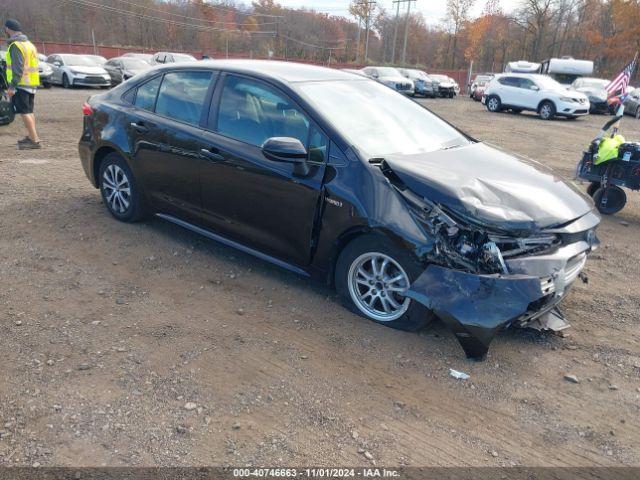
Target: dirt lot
(148, 345)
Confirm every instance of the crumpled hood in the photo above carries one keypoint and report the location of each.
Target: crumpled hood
(499, 189)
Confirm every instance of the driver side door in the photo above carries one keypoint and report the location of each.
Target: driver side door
(258, 202)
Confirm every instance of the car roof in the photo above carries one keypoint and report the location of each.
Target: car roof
(286, 72)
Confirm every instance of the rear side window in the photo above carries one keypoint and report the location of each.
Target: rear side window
(510, 81)
(182, 96)
(253, 112)
(147, 93)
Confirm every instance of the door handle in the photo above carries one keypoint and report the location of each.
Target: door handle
(139, 127)
(212, 154)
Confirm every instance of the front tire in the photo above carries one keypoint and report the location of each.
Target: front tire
(372, 274)
(120, 191)
(547, 110)
(493, 103)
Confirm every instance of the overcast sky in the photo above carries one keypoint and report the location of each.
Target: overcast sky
(433, 10)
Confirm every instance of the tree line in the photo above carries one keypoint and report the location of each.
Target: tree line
(605, 31)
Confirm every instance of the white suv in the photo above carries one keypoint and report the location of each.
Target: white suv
(538, 93)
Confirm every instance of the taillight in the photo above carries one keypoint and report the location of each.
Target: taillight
(87, 110)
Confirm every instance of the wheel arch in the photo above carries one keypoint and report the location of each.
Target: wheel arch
(100, 155)
(543, 101)
(354, 233)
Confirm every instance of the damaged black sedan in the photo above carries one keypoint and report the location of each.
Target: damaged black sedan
(335, 176)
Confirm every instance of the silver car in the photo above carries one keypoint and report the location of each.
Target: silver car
(423, 84)
(392, 78)
(71, 70)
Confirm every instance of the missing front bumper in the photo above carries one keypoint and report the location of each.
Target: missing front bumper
(477, 307)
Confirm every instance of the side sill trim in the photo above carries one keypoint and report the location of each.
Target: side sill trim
(231, 243)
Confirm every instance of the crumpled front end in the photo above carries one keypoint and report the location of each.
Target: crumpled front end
(480, 281)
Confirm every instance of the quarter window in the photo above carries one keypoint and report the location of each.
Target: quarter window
(253, 112)
(147, 93)
(182, 96)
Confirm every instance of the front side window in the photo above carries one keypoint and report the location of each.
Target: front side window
(147, 93)
(509, 81)
(318, 146)
(526, 84)
(253, 112)
(182, 96)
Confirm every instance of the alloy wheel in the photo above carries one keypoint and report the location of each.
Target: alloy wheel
(117, 189)
(493, 104)
(377, 285)
(545, 111)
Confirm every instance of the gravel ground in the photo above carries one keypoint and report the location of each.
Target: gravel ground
(148, 345)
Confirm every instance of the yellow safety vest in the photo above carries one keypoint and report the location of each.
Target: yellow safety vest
(30, 75)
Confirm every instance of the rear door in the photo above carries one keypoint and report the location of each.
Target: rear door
(250, 199)
(166, 129)
(509, 94)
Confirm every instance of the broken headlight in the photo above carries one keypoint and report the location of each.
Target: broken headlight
(456, 244)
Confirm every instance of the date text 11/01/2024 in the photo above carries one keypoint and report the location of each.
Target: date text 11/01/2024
(316, 473)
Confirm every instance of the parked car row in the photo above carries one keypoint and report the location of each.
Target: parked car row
(70, 70)
(411, 81)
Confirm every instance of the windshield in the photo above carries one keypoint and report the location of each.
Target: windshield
(180, 57)
(135, 64)
(73, 61)
(440, 78)
(388, 72)
(379, 121)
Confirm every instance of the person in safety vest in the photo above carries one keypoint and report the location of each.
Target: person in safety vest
(23, 79)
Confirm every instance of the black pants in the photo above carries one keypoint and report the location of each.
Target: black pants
(23, 101)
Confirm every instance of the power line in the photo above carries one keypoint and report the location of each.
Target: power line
(234, 10)
(165, 12)
(107, 8)
(306, 44)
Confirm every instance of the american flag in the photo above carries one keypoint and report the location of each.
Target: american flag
(618, 85)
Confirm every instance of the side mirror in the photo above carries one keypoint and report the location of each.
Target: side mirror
(57, 64)
(535, 88)
(288, 150)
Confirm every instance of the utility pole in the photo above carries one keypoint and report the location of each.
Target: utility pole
(369, 6)
(395, 31)
(358, 41)
(406, 31)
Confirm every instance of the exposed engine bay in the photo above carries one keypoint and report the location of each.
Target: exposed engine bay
(480, 279)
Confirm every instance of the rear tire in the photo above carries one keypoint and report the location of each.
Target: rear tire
(547, 110)
(369, 273)
(616, 200)
(493, 103)
(637, 114)
(120, 191)
(65, 81)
